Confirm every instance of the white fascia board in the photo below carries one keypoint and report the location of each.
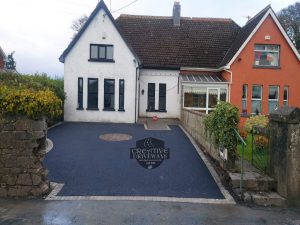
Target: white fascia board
(285, 35)
(274, 17)
(249, 38)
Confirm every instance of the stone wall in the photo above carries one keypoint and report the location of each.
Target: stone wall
(193, 122)
(285, 151)
(22, 150)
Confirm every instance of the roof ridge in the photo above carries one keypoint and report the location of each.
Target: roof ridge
(170, 17)
(259, 13)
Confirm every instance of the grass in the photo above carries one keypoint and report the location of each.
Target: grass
(260, 157)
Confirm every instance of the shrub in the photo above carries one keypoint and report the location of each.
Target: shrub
(28, 102)
(221, 124)
(257, 121)
(261, 142)
(36, 82)
(243, 134)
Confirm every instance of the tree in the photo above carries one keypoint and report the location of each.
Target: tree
(290, 20)
(78, 24)
(10, 63)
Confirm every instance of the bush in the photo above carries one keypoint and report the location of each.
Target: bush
(261, 142)
(28, 102)
(36, 82)
(243, 134)
(221, 124)
(257, 121)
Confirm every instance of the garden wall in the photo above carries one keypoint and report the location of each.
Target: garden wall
(285, 151)
(193, 122)
(22, 150)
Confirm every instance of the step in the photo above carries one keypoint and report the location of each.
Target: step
(265, 199)
(253, 181)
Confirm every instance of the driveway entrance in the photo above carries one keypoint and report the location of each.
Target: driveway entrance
(91, 166)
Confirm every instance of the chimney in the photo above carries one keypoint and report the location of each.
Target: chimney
(176, 13)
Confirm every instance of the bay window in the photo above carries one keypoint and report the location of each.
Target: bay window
(203, 99)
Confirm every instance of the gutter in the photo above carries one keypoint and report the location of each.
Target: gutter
(229, 84)
(137, 93)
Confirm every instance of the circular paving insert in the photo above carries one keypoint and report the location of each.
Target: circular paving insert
(115, 137)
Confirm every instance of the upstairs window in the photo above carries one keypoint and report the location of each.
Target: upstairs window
(266, 56)
(101, 53)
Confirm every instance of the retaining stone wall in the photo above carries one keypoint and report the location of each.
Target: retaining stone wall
(22, 150)
(193, 122)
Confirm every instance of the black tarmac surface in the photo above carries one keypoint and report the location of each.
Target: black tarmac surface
(89, 166)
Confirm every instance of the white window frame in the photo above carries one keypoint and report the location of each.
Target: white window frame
(286, 102)
(256, 99)
(265, 50)
(273, 100)
(206, 109)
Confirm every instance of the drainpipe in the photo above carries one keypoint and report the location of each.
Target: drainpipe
(230, 83)
(137, 93)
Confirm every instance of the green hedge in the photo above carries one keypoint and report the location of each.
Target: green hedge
(33, 96)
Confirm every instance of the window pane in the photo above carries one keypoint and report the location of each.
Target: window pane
(272, 105)
(93, 85)
(188, 100)
(259, 47)
(212, 98)
(80, 94)
(102, 52)
(223, 95)
(286, 93)
(109, 52)
(256, 92)
(109, 93)
(273, 92)
(109, 101)
(256, 106)
(121, 94)
(92, 93)
(151, 96)
(244, 105)
(267, 55)
(94, 52)
(245, 90)
(162, 96)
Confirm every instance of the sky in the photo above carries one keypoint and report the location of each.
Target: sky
(39, 30)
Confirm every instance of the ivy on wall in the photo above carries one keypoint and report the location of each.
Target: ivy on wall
(221, 124)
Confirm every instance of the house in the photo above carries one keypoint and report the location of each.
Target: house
(144, 66)
(2, 59)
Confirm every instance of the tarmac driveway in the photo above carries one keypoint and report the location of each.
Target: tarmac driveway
(89, 166)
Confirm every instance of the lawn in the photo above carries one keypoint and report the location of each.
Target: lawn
(260, 157)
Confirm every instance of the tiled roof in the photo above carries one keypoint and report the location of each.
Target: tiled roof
(197, 42)
(243, 35)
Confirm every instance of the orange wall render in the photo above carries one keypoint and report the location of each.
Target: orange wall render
(287, 75)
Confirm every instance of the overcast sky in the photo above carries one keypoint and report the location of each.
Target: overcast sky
(39, 30)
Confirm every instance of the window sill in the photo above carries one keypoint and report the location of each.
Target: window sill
(80, 109)
(102, 60)
(92, 109)
(121, 110)
(162, 111)
(267, 67)
(109, 109)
